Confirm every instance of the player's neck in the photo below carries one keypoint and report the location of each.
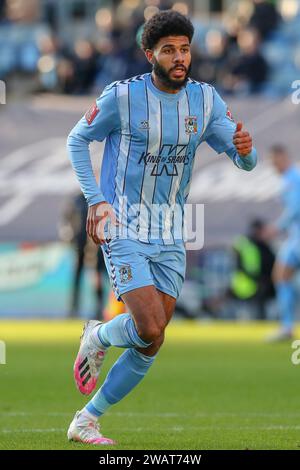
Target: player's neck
(161, 86)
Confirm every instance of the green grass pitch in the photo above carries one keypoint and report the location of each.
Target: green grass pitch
(213, 386)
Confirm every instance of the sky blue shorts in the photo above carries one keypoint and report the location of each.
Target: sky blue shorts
(131, 264)
(289, 253)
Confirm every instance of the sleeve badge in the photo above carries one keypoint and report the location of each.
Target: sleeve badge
(229, 115)
(91, 113)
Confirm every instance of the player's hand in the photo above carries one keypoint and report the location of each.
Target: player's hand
(98, 215)
(242, 140)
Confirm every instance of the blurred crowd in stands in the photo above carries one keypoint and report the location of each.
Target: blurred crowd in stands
(249, 48)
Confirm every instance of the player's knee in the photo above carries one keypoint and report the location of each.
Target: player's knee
(151, 332)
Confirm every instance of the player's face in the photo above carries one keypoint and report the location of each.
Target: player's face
(171, 59)
(280, 161)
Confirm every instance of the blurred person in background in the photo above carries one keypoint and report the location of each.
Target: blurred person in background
(288, 258)
(85, 60)
(252, 282)
(2, 10)
(23, 11)
(72, 229)
(55, 66)
(211, 63)
(265, 18)
(67, 70)
(248, 71)
(20, 33)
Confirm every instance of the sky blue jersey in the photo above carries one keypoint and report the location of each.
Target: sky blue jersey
(290, 196)
(151, 140)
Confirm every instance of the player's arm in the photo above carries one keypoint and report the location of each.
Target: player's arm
(224, 135)
(100, 121)
(291, 211)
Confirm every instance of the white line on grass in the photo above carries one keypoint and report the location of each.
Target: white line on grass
(160, 415)
(168, 429)
(27, 431)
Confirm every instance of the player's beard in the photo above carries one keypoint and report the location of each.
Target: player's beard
(164, 76)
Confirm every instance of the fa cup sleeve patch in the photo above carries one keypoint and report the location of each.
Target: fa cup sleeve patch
(229, 115)
(91, 113)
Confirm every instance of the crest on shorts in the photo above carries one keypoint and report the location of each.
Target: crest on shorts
(125, 273)
(191, 125)
(144, 125)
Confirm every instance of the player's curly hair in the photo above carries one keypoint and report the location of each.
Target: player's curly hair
(166, 23)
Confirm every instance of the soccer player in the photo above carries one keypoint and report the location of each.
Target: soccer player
(153, 124)
(288, 259)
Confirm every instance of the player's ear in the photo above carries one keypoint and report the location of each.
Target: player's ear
(149, 54)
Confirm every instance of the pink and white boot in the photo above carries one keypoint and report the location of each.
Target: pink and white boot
(89, 359)
(87, 431)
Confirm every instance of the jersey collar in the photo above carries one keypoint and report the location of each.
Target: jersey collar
(162, 94)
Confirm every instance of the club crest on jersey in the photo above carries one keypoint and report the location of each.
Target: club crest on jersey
(91, 113)
(125, 273)
(191, 125)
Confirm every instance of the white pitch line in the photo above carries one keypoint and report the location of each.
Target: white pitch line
(28, 413)
(37, 430)
(219, 414)
(212, 427)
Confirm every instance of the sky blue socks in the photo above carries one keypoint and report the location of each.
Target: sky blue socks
(124, 375)
(128, 370)
(121, 332)
(286, 298)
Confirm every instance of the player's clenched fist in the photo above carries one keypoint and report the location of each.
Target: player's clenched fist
(97, 217)
(242, 140)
